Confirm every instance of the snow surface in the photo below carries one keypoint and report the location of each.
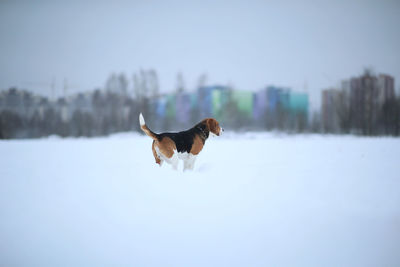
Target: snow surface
(252, 200)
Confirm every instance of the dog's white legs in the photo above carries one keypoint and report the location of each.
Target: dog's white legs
(188, 163)
(192, 161)
(188, 159)
(174, 161)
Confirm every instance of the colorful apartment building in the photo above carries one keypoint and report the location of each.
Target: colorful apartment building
(213, 101)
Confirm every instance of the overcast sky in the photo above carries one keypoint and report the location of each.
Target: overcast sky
(305, 45)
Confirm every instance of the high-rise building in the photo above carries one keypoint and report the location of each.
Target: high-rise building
(367, 94)
(331, 108)
(386, 88)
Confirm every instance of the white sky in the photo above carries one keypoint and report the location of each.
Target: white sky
(248, 44)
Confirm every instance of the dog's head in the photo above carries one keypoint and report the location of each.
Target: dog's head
(213, 126)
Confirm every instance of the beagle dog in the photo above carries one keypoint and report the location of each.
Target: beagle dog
(185, 145)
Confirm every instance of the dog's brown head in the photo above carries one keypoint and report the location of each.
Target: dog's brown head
(213, 126)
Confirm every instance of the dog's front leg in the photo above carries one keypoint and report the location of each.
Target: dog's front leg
(192, 159)
(175, 161)
(189, 162)
(186, 164)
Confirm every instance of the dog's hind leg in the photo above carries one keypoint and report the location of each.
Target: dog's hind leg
(156, 157)
(174, 161)
(167, 151)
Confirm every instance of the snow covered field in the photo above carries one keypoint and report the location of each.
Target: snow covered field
(252, 200)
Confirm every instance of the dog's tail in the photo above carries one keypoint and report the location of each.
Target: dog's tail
(146, 129)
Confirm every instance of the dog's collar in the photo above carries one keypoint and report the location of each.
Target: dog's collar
(204, 135)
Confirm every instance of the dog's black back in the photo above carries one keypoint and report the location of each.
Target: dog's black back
(184, 140)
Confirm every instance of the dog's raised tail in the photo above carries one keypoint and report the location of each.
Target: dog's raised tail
(146, 129)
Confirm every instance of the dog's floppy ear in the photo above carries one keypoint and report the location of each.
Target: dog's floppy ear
(212, 126)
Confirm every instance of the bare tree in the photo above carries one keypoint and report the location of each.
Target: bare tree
(180, 84)
(202, 80)
(123, 84)
(152, 82)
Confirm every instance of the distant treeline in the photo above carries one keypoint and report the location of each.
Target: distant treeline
(365, 105)
(101, 112)
(92, 114)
